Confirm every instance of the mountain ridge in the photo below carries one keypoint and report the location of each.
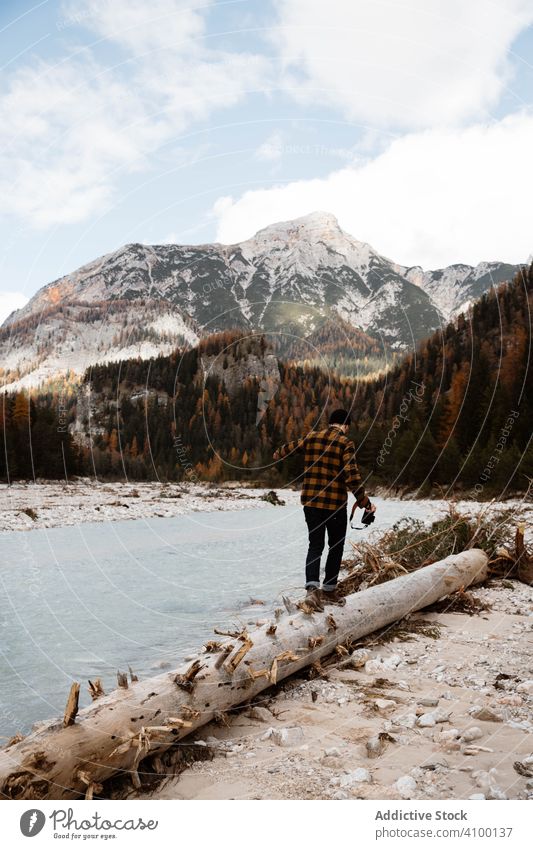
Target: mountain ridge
(288, 280)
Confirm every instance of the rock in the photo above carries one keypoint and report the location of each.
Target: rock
(406, 786)
(475, 750)
(449, 734)
(385, 704)
(374, 665)
(357, 659)
(525, 687)
(428, 702)
(288, 736)
(496, 792)
(482, 778)
(332, 753)
(340, 795)
(357, 776)
(486, 714)
(380, 665)
(434, 763)
(260, 713)
(375, 747)
(471, 734)
(427, 720)
(476, 796)
(268, 734)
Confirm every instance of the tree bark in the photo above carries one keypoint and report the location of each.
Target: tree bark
(118, 730)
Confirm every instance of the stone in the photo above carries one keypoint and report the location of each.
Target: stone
(340, 795)
(525, 687)
(434, 763)
(449, 734)
(393, 661)
(486, 714)
(380, 665)
(482, 778)
(476, 796)
(406, 786)
(428, 702)
(287, 737)
(260, 713)
(385, 704)
(427, 720)
(359, 657)
(471, 734)
(496, 792)
(332, 753)
(374, 747)
(357, 776)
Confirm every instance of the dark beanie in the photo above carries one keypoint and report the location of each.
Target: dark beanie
(340, 417)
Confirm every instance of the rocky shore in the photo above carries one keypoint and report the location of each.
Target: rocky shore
(445, 712)
(50, 504)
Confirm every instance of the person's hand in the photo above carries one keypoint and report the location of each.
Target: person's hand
(368, 515)
(275, 455)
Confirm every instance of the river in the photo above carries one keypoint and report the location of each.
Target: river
(81, 602)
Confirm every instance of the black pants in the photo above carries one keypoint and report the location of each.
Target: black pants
(318, 522)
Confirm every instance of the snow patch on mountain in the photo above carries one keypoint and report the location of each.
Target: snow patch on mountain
(289, 278)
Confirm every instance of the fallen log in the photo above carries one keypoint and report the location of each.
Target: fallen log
(119, 729)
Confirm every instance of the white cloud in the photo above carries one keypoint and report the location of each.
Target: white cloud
(69, 131)
(138, 25)
(407, 64)
(10, 301)
(271, 150)
(431, 199)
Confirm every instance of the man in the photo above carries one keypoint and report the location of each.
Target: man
(330, 471)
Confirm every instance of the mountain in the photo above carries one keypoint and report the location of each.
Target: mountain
(289, 280)
(457, 413)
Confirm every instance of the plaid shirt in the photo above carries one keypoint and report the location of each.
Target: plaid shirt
(330, 469)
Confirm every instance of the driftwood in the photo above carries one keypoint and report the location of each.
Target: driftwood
(119, 729)
(514, 564)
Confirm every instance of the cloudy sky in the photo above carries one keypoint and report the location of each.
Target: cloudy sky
(171, 120)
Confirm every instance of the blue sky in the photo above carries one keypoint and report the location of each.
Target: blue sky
(172, 120)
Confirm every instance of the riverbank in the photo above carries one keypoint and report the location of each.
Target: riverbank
(448, 716)
(51, 504)
(27, 505)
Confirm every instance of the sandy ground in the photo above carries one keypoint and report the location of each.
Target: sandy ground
(49, 504)
(310, 740)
